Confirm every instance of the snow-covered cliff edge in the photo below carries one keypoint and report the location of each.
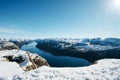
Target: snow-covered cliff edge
(26, 60)
(106, 69)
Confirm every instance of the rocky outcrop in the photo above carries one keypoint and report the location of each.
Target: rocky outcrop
(39, 61)
(36, 60)
(4, 45)
(11, 58)
(27, 61)
(12, 53)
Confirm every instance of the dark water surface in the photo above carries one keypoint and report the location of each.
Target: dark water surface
(56, 61)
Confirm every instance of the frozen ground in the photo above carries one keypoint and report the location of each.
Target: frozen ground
(8, 70)
(106, 69)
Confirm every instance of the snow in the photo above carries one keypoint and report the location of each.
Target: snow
(2, 43)
(106, 69)
(87, 44)
(16, 53)
(8, 70)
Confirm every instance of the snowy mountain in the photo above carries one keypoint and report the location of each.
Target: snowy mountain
(89, 49)
(89, 44)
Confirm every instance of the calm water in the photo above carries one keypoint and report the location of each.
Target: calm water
(56, 61)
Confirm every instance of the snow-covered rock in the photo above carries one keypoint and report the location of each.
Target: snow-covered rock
(38, 60)
(4, 45)
(26, 60)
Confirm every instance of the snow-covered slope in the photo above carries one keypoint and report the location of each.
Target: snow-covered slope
(9, 69)
(106, 69)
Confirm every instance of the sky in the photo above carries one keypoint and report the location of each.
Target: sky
(59, 18)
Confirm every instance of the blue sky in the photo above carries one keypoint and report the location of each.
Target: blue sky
(59, 18)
